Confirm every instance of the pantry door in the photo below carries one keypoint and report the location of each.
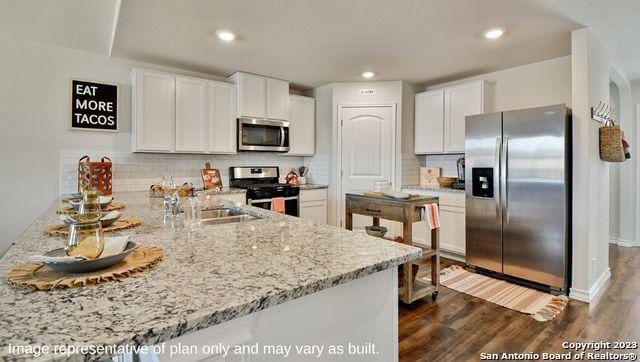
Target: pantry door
(366, 152)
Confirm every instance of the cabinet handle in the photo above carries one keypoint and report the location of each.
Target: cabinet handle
(372, 210)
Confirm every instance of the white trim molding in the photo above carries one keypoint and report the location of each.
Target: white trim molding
(621, 242)
(596, 289)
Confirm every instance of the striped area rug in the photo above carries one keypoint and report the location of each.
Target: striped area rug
(539, 305)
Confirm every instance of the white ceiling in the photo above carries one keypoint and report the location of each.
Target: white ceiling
(313, 42)
(77, 24)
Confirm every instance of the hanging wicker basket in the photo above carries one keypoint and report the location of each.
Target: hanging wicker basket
(611, 148)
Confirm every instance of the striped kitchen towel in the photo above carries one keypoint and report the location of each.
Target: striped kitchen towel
(431, 215)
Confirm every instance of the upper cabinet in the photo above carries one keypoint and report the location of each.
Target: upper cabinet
(277, 99)
(302, 126)
(176, 114)
(191, 115)
(429, 122)
(440, 115)
(221, 117)
(153, 112)
(261, 97)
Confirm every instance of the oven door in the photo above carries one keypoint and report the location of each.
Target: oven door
(263, 135)
(290, 205)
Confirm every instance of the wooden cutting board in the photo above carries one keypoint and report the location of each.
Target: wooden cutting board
(429, 176)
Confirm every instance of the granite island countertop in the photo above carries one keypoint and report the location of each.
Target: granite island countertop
(418, 188)
(229, 271)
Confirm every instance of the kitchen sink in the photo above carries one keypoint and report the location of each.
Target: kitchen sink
(224, 216)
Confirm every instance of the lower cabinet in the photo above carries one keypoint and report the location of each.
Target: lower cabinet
(452, 224)
(313, 205)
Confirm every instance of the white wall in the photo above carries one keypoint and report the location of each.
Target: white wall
(532, 85)
(34, 119)
(614, 177)
(591, 69)
(328, 99)
(635, 116)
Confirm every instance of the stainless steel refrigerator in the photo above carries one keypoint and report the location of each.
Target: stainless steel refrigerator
(518, 194)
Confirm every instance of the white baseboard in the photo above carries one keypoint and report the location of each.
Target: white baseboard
(453, 256)
(622, 242)
(597, 288)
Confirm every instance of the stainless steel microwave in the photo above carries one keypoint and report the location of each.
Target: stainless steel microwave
(263, 135)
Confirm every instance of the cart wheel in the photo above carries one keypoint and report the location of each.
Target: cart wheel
(434, 296)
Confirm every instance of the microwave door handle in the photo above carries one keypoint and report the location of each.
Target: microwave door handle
(282, 135)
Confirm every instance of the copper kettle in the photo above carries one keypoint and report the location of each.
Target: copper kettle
(292, 178)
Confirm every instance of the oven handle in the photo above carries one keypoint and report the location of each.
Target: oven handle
(251, 201)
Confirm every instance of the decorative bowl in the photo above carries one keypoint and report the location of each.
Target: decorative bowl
(377, 231)
(85, 266)
(104, 202)
(446, 181)
(105, 220)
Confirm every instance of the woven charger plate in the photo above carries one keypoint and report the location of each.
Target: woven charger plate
(70, 210)
(37, 276)
(120, 224)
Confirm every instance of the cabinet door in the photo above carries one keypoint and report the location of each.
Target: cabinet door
(452, 229)
(221, 117)
(252, 96)
(461, 101)
(429, 122)
(191, 115)
(302, 126)
(314, 210)
(277, 99)
(154, 105)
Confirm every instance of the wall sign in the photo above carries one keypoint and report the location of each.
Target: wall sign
(94, 106)
(367, 91)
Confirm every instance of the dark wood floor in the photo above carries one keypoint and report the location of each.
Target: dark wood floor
(460, 327)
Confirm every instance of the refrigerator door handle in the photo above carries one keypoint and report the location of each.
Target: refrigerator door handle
(503, 179)
(496, 178)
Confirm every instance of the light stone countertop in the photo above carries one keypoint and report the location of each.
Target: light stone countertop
(419, 188)
(313, 186)
(229, 271)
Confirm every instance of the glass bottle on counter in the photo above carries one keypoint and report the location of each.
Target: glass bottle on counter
(85, 236)
(193, 213)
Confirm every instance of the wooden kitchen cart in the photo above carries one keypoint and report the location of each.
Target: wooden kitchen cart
(406, 211)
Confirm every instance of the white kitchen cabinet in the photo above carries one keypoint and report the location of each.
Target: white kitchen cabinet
(221, 121)
(313, 205)
(252, 95)
(191, 115)
(277, 99)
(440, 115)
(176, 114)
(429, 122)
(452, 222)
(302, 126)
(153, 112)
(261, 97)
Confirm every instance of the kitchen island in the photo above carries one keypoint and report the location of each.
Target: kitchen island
(278, 281)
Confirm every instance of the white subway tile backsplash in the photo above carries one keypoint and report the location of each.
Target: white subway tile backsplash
(137, 171)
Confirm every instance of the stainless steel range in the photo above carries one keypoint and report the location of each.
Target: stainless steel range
(262, 185)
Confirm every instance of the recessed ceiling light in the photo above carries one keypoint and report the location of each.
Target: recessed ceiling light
(494, 33)
(225, 35)
(368, 74)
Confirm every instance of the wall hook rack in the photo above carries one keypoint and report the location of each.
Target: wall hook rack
(603, 113)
